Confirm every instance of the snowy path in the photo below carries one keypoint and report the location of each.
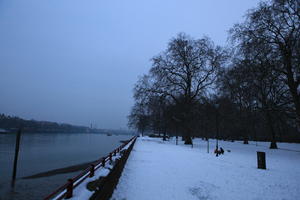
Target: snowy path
(158, 170)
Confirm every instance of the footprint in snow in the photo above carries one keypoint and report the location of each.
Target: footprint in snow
(203, 191)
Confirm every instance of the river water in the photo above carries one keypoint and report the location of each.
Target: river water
(44, 152)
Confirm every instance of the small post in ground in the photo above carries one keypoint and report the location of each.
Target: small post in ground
(207, 145)
(261, 160)
(18, 137)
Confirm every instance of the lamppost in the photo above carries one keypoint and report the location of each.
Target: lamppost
(207, 144)
(176, 124)
(217, 127)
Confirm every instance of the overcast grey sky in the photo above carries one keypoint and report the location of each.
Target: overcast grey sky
(76, 61)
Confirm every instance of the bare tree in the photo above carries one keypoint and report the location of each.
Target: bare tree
(276, 23)
(255, 83)
(236, 82)
(138, 118)
(182, 74)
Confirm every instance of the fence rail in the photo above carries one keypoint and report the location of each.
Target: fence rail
(109, 183)
(66, 190)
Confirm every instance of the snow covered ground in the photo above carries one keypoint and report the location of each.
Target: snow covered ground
(158, 170)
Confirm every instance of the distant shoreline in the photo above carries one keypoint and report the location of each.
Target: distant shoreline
(11, 124)
(45, 132)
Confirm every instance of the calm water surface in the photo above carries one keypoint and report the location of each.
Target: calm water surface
(43, 152)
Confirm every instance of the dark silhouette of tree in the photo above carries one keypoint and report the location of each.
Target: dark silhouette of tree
(138, 118)
(12, 124)
(276, 24)
(256, 88)
(181, 74)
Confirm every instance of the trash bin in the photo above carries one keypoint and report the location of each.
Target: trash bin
(261, 160)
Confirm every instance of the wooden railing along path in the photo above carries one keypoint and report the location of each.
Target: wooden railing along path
(66, 190)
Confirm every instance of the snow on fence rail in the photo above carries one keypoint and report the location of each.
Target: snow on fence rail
(66, 190)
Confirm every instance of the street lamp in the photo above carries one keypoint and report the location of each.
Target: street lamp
(176, 124)
(217, 127)
(207, 138)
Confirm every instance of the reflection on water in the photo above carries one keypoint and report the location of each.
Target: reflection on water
(43, 152)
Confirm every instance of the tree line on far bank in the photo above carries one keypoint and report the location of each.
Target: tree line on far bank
(250, 90)
(12, 124)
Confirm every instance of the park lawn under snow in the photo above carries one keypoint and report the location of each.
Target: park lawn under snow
(161, 170)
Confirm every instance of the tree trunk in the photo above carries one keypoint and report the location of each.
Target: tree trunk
(254, 131)
(273, 145)
(188, 138)
(280, 129)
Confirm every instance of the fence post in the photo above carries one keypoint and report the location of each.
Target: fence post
(103, 161)
(92, 170)
(110, 156)
(69, 192)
